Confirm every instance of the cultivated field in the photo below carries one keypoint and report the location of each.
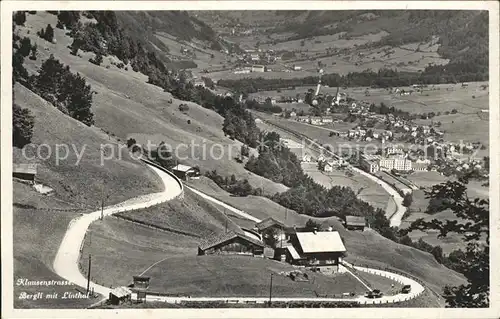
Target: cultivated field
(242, 276)
(121, 249)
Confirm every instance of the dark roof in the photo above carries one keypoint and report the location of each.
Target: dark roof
(24, 168)
(141, 278)
(269, 222)
(355, 221)
(223, 237)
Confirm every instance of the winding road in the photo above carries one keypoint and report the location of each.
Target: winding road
(66, 260)
(395, 219)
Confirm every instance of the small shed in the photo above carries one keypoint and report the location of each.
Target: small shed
(186, 172)
(231, 243)
(120, 295)
(25, 172)
(355, 223)
(141, 282)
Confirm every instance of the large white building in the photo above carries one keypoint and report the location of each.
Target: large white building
(374, 163)
(258, 68)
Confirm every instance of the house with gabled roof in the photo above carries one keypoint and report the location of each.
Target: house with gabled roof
(269, 223)
(321, 250)
(231, 243)
(355, 222)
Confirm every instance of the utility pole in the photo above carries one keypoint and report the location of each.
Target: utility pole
(281, 237)
(102, 200)
(88, 275)
(271, 289)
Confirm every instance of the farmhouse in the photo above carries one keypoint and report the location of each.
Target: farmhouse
(25, 172)
(323, 250)
(185, 172)
(231, 243)
(355, 223)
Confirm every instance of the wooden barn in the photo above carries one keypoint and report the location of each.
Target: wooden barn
(185, 172)
(120, 295)
(25, 172)
(323, 250)
(355, 223)
(231, 243)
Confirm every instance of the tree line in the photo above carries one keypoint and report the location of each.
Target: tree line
(233, 185)
(383, 78)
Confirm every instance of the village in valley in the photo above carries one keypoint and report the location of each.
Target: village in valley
(250, 159)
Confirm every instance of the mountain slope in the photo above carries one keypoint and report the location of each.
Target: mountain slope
(126, 106)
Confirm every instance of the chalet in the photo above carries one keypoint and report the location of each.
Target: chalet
(185, 172)
(355, 223)
(231, 243)
(25, 172)
(269, 223)
(120, 295)
(293, 114)
(322, 250)
(297, 68)
(141, 282)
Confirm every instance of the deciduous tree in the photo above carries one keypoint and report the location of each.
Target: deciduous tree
(473, 225)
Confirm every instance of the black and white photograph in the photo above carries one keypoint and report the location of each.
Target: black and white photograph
(249, 156)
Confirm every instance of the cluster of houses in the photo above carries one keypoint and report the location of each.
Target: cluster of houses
(321, 250)
(455, 165)
(259, 55)
(362, 134)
